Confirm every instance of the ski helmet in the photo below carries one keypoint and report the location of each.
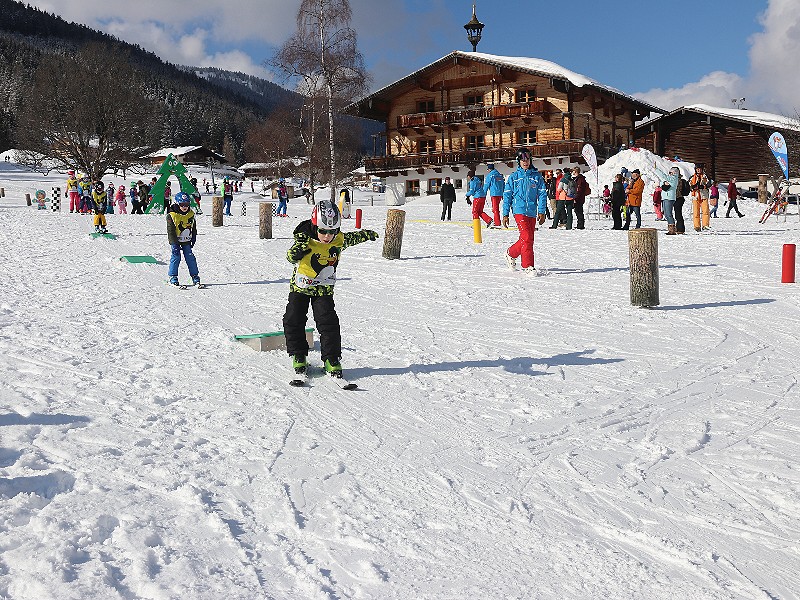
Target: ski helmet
(489, 166)
(71, 173)
(182, 198)
(326, 215)
(523, 153)
(99, 186)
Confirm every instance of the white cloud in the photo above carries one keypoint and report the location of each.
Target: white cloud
(715, 89)
(773, 84)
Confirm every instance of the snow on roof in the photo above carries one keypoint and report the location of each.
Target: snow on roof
(537, 66)
(177, 151)
(296, 161)
(752, 116)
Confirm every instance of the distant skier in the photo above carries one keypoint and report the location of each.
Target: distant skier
(72, 191)
(283, 198)
(318, 244)
(475, 191)
(167, 196)
(493, 187)
(85, 189)
(227, 196)
(122, 200)
(100, 204)
(182, 234)
(111, 193)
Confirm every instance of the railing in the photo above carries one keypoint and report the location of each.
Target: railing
(378, 164)
(468, 114)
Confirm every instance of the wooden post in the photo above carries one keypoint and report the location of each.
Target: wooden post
(216, 219)
(28, 199)
(762, 188)
(643, 249)
(265, 220)
(2, 192)
(393, 238)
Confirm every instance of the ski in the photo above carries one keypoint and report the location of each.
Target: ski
(342, 382)
(199, 286)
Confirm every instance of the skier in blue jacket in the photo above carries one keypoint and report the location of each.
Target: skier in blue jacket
(526, 194)
(478, 198)
(493, 186)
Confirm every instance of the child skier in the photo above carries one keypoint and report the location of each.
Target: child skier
(122, 200)
(318, 244)
(100, 203)
(182, 233)
(111, 194)
(72, 192)
(85, 189)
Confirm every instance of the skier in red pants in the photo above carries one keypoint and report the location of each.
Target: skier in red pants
(475, 190)
(526, 194)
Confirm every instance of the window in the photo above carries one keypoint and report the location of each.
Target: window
(412, 187)
(457, 183)
(526, 95)
(425, 106)
(526, 138)
(473, 100)
(426, 146)
(474, 142)
(434, 185)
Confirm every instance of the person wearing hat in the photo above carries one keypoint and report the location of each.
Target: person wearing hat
(700, 185)
(493, 186)
(100, 206)
(227, 196)
(634, 203)
(447, 194)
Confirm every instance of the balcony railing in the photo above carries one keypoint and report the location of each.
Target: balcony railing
(468, 114)
(470, 157)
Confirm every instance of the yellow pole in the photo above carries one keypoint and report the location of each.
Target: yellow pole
(476, 231)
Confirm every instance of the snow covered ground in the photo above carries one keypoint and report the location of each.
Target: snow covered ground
(513, 437)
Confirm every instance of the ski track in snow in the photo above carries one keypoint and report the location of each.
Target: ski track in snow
(513, 437)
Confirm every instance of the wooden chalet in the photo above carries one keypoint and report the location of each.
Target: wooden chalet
(730, 142)
(468, 109)
(188, 155)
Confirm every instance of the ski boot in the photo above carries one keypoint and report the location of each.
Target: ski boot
(511, 261)
(174, 281)
(300, 363)
(196, 281)
(333, 367)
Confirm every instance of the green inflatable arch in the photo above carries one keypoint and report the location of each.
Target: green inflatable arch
(170, 166)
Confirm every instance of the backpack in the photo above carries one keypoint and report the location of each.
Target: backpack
(685, 190)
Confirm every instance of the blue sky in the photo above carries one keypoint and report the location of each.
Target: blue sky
(670, 52)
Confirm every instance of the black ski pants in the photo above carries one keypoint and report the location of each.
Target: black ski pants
(616, 213)
(680, 226)
(325, 318)
(447, 209)
(732, 206)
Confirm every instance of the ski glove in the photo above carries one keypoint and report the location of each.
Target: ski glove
(372, 235)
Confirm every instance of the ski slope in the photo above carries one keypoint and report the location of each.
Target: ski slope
(513, 437)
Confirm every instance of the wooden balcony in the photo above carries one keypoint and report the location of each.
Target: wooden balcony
(383, 164)
(468, 114)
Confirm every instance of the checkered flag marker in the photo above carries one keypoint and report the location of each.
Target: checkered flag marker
(56, 199)
(244, 209)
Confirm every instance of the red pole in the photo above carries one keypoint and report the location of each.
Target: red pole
(787, 272)
(358, 218)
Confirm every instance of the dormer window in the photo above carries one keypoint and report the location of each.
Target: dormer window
(425, 106)
(528, 95)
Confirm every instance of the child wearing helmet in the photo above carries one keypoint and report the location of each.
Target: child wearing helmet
(72, 192)
(318, 244)
(100, 204)
(85, 190)
(182, 234)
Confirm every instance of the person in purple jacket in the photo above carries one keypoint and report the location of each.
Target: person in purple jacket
(526, 194)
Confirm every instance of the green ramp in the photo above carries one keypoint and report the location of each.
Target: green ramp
(138, 259)
(275, 340)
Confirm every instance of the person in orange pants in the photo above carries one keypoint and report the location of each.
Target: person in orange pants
(700, 184)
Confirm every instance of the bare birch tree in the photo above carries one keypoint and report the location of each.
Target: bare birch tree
(323, 59)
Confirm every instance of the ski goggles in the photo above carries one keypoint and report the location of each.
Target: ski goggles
(327, 231)
(524, 156)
